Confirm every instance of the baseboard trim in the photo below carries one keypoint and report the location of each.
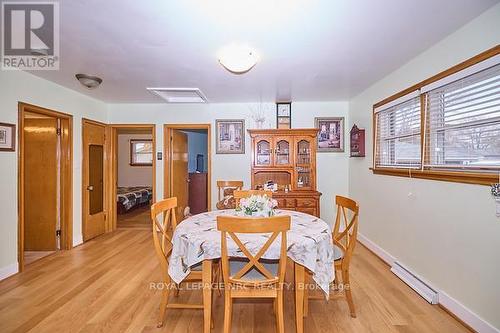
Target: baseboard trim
(449, 304)
(377, 250)
(465, 315)
(7, 271)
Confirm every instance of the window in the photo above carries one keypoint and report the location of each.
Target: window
(455, 115)
(141, 152)
(398, 134)
(464, 122)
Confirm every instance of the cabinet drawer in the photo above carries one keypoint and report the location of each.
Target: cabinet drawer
(281, 203)
(305, 202)
(290, 203)
(310, 211)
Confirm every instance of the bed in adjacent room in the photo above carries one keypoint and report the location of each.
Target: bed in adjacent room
(128, 198)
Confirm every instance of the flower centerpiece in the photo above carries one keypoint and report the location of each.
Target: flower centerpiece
(495, 191)
(257, 206)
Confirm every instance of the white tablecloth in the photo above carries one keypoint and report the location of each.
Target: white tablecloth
(308, 244)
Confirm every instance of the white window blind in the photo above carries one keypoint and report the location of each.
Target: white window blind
(398, 134)
(463, 122)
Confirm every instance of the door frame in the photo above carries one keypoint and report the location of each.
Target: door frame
(167, 129)
(66, 151)
(107, 162)
(112, 170)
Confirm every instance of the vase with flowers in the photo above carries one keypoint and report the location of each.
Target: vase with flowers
(495, 192)
(257, 206)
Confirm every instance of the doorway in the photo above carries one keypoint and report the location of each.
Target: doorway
(133, 175)
(188, 167)
(45, 182)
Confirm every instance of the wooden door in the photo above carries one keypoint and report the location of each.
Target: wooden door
(41, 197)
(94, 214)
(179, 177)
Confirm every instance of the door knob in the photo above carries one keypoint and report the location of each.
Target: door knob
(90, 188)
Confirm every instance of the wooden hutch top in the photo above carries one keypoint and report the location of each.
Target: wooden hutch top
(287, 157)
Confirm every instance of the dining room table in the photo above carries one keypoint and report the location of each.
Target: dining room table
(196, 240)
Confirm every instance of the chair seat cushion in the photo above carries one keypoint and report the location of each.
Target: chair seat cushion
(337, 253)
(236, 264)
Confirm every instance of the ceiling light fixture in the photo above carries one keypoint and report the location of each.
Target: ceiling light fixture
(89, 81)
(237, 58)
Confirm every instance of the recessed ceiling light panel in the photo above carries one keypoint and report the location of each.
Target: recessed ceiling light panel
(180, 95)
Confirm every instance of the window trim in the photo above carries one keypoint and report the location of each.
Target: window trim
(458, 176)
(131, 162)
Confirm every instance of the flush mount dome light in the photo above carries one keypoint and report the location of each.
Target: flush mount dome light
(89, 81)
(237, 58)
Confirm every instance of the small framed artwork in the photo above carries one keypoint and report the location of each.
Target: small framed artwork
(284, 115)
(357, 141)
(7, 137)
(331, 134)
(230, 136)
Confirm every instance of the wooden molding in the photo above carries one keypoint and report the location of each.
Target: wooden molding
(449, 176)
(282, 131)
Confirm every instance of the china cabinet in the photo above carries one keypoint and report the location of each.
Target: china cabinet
(287, 157)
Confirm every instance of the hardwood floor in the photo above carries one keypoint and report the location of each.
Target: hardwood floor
(139, 218)
(104, 286)
(32, 256)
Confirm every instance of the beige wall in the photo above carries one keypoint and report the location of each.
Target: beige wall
(20, 86)
(447, 233)
(332, 167)
(132, 175)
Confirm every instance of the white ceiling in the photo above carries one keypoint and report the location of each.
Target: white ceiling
(311, 50)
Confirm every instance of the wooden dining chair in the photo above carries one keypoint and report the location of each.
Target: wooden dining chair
(240, 194)
(225, 199)
(163, 229)
(253, 277)
(344, 237)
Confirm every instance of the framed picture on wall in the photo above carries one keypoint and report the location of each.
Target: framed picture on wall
(230, 136)
(7, 137)
(284, 115)
(330, 134)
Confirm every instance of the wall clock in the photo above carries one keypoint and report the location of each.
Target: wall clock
(284, 115)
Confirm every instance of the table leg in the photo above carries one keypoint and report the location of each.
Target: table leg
(299, 297)
(207, 294)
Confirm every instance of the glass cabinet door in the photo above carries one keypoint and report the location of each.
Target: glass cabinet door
(263, 152)
(283, 152)
(303, 164)
(303, 152)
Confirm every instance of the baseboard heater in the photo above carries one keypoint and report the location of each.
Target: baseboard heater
(422, 288)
